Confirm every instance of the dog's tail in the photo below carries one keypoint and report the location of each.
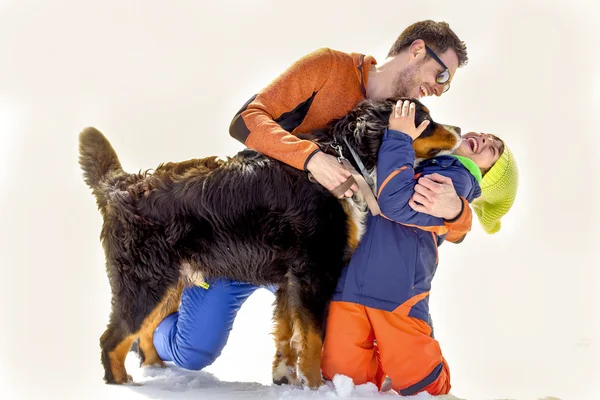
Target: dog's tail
(97, 157)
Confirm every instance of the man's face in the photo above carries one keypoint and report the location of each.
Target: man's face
(418, 78)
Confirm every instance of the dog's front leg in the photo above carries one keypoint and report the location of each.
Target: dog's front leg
(286, 356)
(306, 337)
(308, 344)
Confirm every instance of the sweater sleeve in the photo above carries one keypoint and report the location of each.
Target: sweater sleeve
(264, 123)
(461, 225)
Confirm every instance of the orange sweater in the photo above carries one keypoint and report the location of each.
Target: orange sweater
(319, 87)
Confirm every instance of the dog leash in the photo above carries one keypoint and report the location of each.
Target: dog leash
(355, 177)
(364, 187)
(361, 166)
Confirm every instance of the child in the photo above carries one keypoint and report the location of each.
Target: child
(378, 320)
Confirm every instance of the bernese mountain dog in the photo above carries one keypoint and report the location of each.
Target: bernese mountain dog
(249, 218)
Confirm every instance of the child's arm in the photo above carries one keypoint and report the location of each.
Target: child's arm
(395, 177)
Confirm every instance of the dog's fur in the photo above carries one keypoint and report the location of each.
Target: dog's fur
(248, 218)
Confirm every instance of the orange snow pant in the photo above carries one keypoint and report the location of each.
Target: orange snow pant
(366, 344)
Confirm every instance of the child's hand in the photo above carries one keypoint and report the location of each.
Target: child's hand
(402, 119)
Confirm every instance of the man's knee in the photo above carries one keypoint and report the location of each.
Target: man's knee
(193, 359)
(194, 337)
(192, 349)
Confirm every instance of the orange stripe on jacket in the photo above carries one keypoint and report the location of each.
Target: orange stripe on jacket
(389, 178)
(439, 229)
(454, 230)
(457, 229)
(436, 247)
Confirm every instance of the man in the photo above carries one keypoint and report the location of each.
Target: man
(321, 86)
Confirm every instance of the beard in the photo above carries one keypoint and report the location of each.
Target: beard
(406, 81)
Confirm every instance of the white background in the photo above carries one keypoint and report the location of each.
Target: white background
(516, 313)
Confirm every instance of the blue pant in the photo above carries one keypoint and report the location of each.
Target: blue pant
(194, 336)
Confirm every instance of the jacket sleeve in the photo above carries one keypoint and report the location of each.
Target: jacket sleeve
(396, 173)
(256, 124)
(461, 225)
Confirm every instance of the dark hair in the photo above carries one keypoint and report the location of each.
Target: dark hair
(436, 35)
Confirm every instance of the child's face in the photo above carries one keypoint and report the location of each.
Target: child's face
(483, 148)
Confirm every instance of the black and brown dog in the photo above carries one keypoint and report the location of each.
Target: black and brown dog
(248, 218)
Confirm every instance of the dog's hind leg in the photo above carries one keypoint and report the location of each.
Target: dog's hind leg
(134, 305)
(170, 304)
(286, 356)
(115, 344)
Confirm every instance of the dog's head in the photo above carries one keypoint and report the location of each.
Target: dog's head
(437, 139)
(364, 126)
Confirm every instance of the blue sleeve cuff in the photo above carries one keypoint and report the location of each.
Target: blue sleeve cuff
(390, 133)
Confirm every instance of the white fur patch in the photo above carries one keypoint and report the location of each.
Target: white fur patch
(190, 274)
(296, 340)
(283, 369)
(358, 213)
(301, 377)
(455, 133)
(358, 207)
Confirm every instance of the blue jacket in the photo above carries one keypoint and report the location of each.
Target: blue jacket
(397, 256)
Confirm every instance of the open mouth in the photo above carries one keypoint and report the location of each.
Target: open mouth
(423, 91)
(473, 144)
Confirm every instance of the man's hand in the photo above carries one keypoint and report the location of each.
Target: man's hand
(402, 119)
(330, 173)
(436, 196)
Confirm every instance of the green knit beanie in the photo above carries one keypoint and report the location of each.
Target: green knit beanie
(498, 192)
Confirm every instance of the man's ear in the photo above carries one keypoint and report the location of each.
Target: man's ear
(416, 49)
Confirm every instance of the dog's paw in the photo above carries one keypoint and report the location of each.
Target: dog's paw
(285, 375)
(153, 364)
(313, 381)
(131, 382)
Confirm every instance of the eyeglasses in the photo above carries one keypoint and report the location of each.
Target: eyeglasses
(443, 78)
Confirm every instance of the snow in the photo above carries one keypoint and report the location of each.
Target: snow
(242, 371)
(176, 383)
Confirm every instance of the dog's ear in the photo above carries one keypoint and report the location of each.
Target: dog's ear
(343, 126)
(370, 125)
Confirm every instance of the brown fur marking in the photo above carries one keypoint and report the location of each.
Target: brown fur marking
(441, 139)
(353, 230)
(168, 306)
(286, 356)
(310, 362)
(117, 360)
